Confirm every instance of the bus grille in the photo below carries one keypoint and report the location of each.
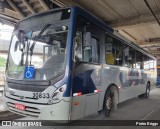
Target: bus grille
(30, 111)
(27, 87)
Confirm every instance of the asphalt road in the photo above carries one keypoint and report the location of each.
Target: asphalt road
(134, 109)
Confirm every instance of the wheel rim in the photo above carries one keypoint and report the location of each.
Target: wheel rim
(109, 103)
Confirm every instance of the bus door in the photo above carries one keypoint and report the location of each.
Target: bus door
(86, 78)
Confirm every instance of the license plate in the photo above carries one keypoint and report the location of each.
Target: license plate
(20, 107)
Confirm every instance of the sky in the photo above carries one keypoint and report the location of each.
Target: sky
(5, 31)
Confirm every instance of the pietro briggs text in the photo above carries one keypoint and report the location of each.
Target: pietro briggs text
(147, 123)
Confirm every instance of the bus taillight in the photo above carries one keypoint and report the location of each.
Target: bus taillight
(97, 90)
(77, 94)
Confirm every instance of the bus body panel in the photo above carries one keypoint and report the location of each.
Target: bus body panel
(129, 82)
(91, 99)
(78, 107)
(133, 83)
(81, 105)
(118, 76)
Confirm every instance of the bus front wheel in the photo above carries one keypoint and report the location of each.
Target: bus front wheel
(108, 104)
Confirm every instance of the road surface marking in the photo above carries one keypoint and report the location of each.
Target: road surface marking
(148, 114)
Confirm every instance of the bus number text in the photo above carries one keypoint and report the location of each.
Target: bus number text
(41, 95)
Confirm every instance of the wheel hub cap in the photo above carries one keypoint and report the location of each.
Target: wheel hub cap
(109, 103)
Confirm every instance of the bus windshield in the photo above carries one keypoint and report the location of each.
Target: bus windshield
(42, 49)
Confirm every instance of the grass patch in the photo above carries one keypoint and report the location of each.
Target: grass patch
(2, 62)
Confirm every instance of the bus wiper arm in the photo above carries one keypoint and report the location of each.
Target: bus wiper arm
(34, 42)
(38, 36)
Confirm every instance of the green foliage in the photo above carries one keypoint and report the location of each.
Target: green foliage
(16, 68)
(2, 62)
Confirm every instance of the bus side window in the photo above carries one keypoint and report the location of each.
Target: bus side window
(139, 60)
(126, 55)
(78, 49)
(87, 48)
(132, 57)
(95, 50)
(146, 62)
(118, 52)
(129, 56)
(113, 51)
(109, 52)
(151, 64)
(90, 48)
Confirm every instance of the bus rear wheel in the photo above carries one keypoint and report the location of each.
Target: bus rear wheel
(146, 95)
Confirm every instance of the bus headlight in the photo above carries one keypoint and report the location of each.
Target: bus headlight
(57, 95)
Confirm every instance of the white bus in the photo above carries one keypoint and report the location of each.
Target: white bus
(66, 64)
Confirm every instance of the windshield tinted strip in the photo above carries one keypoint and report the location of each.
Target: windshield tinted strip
(44, 18)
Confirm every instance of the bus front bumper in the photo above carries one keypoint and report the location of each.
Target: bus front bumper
(58, 111)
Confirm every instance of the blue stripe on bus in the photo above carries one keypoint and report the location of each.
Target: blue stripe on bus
(83, 83)
(69, 62)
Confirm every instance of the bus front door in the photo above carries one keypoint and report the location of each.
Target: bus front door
(86, 87)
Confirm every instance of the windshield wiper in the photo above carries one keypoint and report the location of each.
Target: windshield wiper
(37, 37)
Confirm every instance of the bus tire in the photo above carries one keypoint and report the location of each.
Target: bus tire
(141, 96)
(146, 94)
(108, 103)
